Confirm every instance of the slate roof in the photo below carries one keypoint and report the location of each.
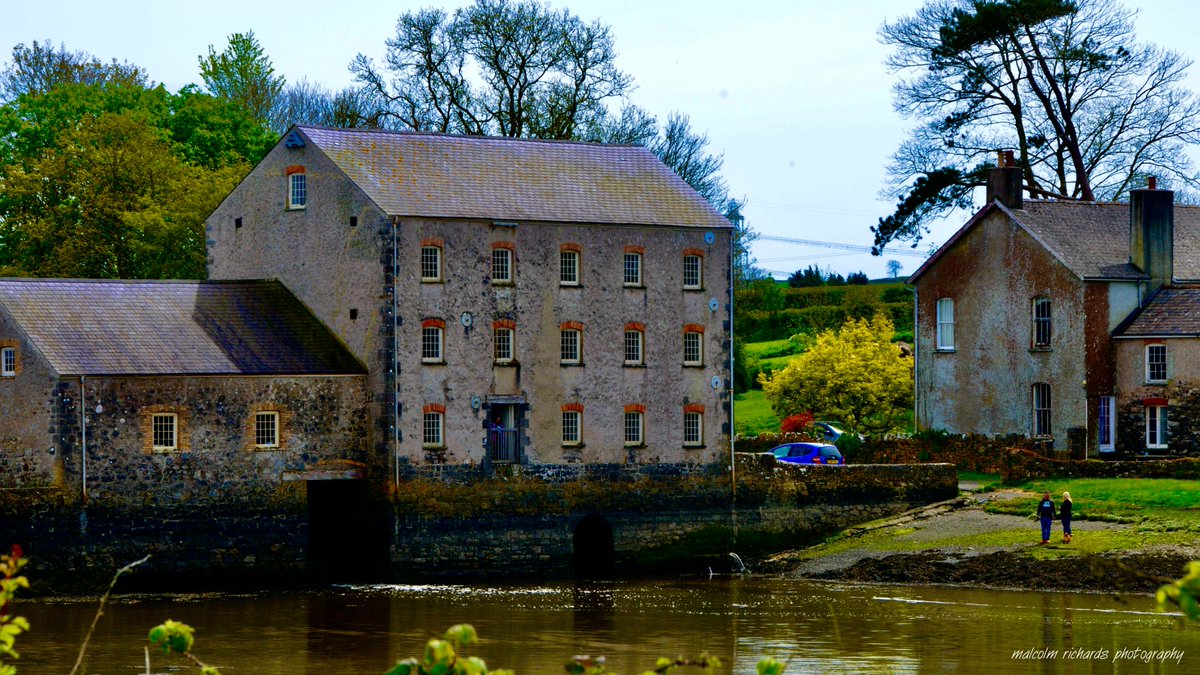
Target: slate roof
(1174, 311)
(1092, 238)
(102, 327)
(507, 179)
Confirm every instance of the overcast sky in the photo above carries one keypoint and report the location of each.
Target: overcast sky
(793, 93)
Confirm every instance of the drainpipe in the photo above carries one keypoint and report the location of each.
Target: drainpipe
(395, 358)
(916, 359)
(83, 436)
(732, 387)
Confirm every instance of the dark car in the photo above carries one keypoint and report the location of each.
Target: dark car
(808, 453)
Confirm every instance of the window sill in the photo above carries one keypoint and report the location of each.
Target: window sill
(1041, 349)
(432, 447)
(439, 362)
(633, 365)
(1155, 383)
(266, 448)
(944, 350)
(1157, 447)
(693, 365)
(511, 363)
(573, 446)
(693, 446)
(633, 446)
(503, 283)
(566, 285)
(432, 281)
(578, 364)
(8, 375)
(635, 287)
(693, 289)
(296, 208)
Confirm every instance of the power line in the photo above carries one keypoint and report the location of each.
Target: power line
(838, 245)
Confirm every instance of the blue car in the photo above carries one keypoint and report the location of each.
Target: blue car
(808, 453)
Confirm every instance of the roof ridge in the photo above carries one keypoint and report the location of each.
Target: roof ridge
(471, 137)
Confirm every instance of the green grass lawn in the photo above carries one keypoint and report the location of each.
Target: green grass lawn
(1161, 504)
(758, 350)
(752, 414)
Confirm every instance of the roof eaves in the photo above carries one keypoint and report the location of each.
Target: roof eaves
(330, 158)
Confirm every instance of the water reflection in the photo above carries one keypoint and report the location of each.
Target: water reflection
(535, 629)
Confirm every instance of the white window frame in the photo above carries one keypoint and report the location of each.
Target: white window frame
(1106, 424)
(8, 362)
(1042, 409)
(158, 420)
(1042, 325)
(297, 191)
(570, 338)
(945, 324)
(693, 354)
(693, 429)
(431, 254)
(572, 427)
(634, 428)
(502, 266)
(635, 347)
(631, 262)
(1156, 358)
(433, 344)
(568, 268)
(433, 429)
(260, 418)
(697, 280)
(1157, 428)
(503, 344)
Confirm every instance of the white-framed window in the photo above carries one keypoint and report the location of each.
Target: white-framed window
(693, 348)
(634, 426)
(431, 429)
(431, 343)
(502, 344)
(1106, 424)
(8, 362)
(634, 346)
(297, 190)
(164, 429)
(632, 269)
(1156, 427)
(431, 264)
(693, 272)
(693, 428)
(266, 429)
(1041, 410)
(570, 347)
(502, 266)
(1041, 323)
(568, 268)
(945, 324)
(1156, 364)
(572, 421)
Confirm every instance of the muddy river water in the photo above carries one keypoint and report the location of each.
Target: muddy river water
(534, 629)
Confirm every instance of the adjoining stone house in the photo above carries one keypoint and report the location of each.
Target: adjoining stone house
(1055, 320)
(150, 392)
(515, 301)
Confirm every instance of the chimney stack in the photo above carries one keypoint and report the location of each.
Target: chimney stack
(1004, 182)
(1152, 233)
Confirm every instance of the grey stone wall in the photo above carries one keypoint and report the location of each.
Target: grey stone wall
(29, 447)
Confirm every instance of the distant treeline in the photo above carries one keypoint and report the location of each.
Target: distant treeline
(767, 311)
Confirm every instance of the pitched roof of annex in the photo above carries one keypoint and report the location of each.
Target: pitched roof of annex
(1174, 311)
(417, 174)
(115, 327)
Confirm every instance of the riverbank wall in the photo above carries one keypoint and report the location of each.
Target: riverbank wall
(453, 523)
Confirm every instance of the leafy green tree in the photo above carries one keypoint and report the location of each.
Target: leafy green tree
(894, 267)
(854, 374)
(1088, 110)
(243, 73)
(857, 279)
(213, 132)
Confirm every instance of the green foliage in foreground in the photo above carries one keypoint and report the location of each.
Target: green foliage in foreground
(443, 656)
(10, 626)
(178, 638)
(1183, 593)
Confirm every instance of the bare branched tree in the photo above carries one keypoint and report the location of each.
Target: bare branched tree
(1088, 110)
(38, 68)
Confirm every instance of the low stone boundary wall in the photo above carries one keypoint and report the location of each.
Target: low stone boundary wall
(1020, 465)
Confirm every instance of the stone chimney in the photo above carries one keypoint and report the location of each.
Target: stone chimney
(1004, 182)
(1152, 233)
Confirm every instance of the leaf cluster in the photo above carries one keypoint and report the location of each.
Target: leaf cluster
(1183, 593)
(10, 626)
(175, 637)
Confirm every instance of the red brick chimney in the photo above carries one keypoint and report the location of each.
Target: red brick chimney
(1004, 183)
